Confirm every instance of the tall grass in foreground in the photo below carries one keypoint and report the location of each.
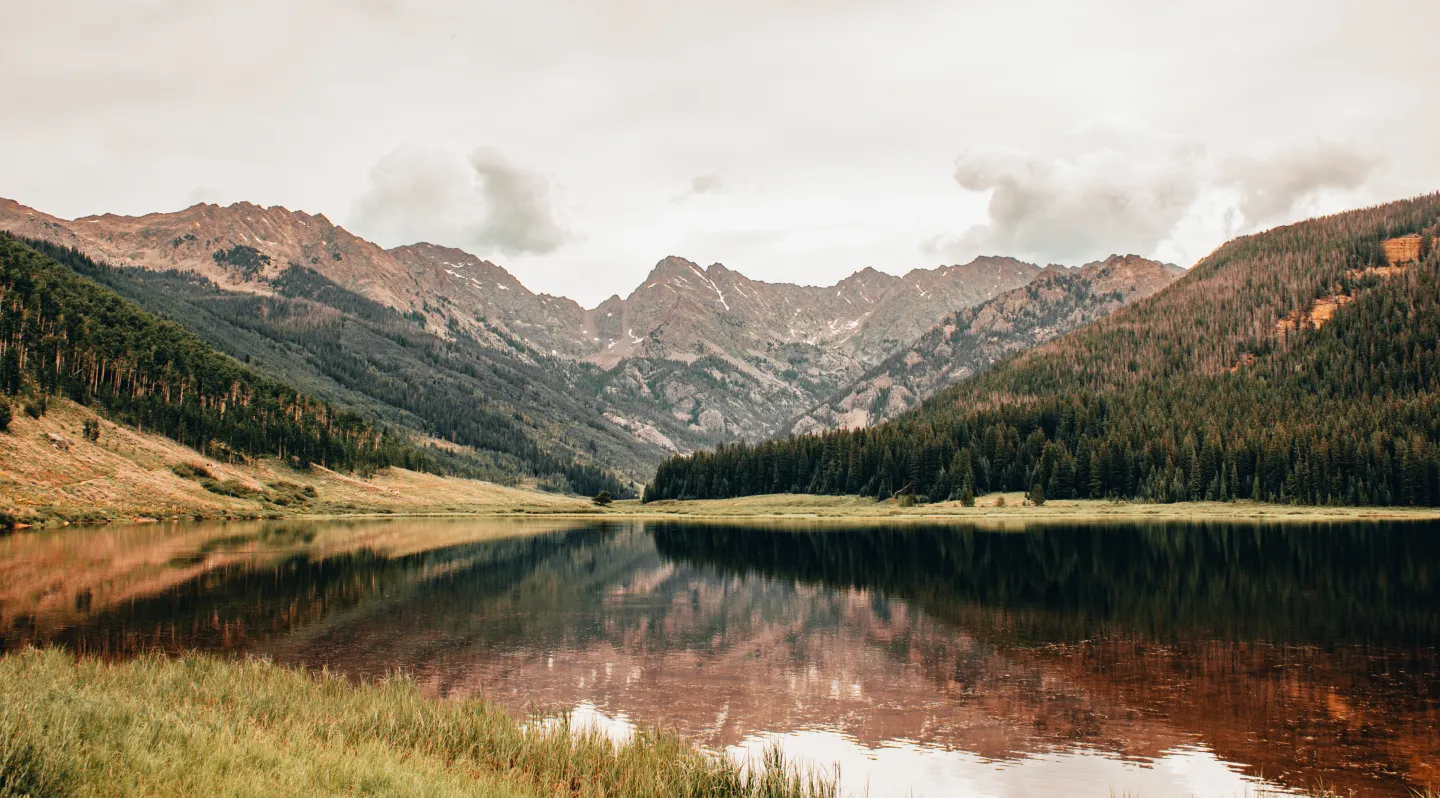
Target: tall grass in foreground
(204, 726)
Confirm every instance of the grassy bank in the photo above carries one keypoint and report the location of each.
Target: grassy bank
(203, 726)
(998, 509)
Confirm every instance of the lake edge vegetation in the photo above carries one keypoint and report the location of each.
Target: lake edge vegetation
(201, 725)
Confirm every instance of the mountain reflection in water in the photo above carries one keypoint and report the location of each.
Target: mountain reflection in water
(1167, 659)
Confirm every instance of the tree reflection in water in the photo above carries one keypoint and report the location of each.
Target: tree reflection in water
(1300, 652)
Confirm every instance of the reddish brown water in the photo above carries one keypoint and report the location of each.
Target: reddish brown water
(1164, 660)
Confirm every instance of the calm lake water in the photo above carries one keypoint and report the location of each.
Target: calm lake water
(1163, 660)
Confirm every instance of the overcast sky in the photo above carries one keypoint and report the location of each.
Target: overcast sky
(576, 142)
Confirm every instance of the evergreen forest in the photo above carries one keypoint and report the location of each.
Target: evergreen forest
(1295, 365)
(61, 334)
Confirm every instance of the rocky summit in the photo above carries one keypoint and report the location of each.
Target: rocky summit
(969, 340)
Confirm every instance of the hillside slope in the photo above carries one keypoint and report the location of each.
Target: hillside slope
(1300, 364)
(968, 341)
(61, 334)
(51, 472)
(501, 417)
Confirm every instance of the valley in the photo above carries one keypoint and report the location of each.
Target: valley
(693, 357)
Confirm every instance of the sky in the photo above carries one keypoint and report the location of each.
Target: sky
(577, 142)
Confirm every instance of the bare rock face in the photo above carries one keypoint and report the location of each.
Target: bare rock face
(691, 357)
(1402, 250)
(477, 293)
(970, 340)
(757, 353)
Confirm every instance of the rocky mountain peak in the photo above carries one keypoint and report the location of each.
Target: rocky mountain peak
(458, 263)
(1129, 273)
(669, 269)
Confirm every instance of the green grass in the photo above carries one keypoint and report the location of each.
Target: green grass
(203, 726)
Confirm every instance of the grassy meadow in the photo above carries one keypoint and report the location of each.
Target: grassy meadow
(204, 726)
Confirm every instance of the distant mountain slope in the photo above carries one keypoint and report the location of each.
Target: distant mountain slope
(737, 357)
(970, 340)
(498, 417)
(62, 334)
(692, 357)
(1300, 364)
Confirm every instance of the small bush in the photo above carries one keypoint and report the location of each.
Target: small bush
(603, 499)
(91, 430)
(191, 471)
(1037, 495)
(967, 497)
(286, 494)
(4, 415)
(1000, 501)
(34, 409)
(233, 488)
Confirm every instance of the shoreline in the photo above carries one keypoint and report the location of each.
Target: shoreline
(808, 509)
(52, 476)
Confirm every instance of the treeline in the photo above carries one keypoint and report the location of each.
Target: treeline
(1192, 394)
(368, 358)
(61, 334)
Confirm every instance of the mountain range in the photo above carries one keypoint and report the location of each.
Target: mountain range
(969, 340)
(692, 357)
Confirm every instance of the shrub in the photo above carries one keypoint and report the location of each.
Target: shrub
(4, 415)
(1037, 495)
(603, 499)
(967, 497)
(34, 409)
(91, 430)
(288, 493)
(191, 471)
(233, 488)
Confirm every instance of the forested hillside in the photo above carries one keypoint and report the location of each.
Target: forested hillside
(62, 334)
(1299, 364)
(508, 418)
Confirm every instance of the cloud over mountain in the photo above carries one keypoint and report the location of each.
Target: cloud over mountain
(484, 203)
(1116, 191)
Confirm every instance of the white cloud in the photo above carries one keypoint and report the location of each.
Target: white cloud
(837, 123)
(1138, 191)
(483, 203)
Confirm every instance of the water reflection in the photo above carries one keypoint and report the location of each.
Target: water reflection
(1181, 659)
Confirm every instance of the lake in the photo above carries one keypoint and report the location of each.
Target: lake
(1098, 660)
